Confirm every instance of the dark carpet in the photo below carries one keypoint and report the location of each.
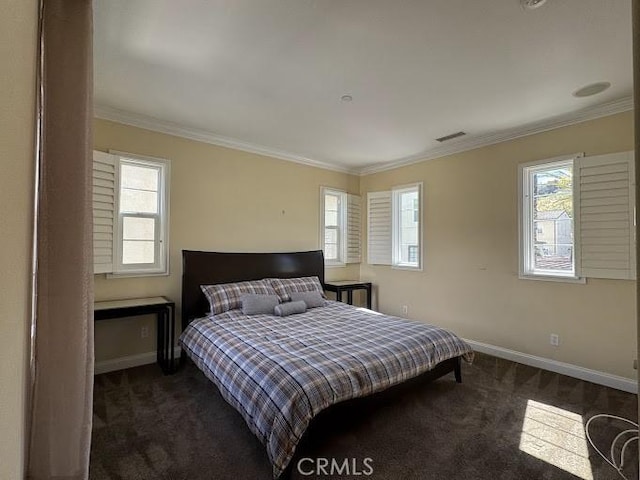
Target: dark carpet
(505, 421)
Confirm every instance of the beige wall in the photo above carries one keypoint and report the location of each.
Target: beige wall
(17, 89)
(470, 279)
(221, 199)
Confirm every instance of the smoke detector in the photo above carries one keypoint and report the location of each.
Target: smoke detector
(532, 4)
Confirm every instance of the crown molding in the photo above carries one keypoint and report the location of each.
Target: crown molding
(150, 123)
(472, 142)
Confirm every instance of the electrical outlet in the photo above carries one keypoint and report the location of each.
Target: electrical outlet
(554, 339)
(144, 332)
(405, 310)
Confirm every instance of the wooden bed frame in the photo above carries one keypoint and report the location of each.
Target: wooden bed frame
(210, 268)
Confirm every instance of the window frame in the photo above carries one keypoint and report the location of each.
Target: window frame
(341, 261)
(396, 214)
(161, 246)
(526, 234)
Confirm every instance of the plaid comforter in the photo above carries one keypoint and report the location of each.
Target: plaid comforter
(279, 372)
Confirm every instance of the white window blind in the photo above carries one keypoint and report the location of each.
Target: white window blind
(606, 199)
(104, 195)
(354, 236)
(379, 232)
(130, 214)
(340, 226)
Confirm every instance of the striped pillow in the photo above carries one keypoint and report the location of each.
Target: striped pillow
(226, 296)
(285, 286)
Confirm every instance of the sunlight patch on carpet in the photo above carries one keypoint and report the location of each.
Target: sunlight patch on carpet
(557, 437)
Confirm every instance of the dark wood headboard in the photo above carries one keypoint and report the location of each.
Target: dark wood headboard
(209, 268)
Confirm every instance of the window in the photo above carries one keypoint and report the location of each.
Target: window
(130, 214)
(334, 216)
(395, 227)
(413, 254)
(407, 233)
(577, 218)
(340, 227)
(548, 246)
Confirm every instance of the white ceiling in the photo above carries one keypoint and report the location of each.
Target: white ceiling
(267, 75)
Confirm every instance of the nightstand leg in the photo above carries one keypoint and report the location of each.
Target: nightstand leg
(165, 365)
(369, 297)
(172, 333)
(350, 297)
(160, 338)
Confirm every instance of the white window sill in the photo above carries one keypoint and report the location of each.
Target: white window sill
(137, 274)
(334, 264)
(553, 278)
(407, 267)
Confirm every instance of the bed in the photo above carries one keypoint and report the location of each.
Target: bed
(281, 372)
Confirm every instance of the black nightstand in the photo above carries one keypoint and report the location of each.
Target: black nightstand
(349, 286)
(165, 310)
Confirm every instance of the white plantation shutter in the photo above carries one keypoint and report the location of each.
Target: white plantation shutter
(104, 192)
(354, 237)
(606, 209)
(379, 228)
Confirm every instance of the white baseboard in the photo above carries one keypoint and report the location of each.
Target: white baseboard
(129, 361)
(614, 381)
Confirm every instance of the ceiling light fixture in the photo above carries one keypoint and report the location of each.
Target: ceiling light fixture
(591, 89)
(532, 4)
(346, 98)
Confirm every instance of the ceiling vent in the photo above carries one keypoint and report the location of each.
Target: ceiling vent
(450, 137)
(532, 4)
